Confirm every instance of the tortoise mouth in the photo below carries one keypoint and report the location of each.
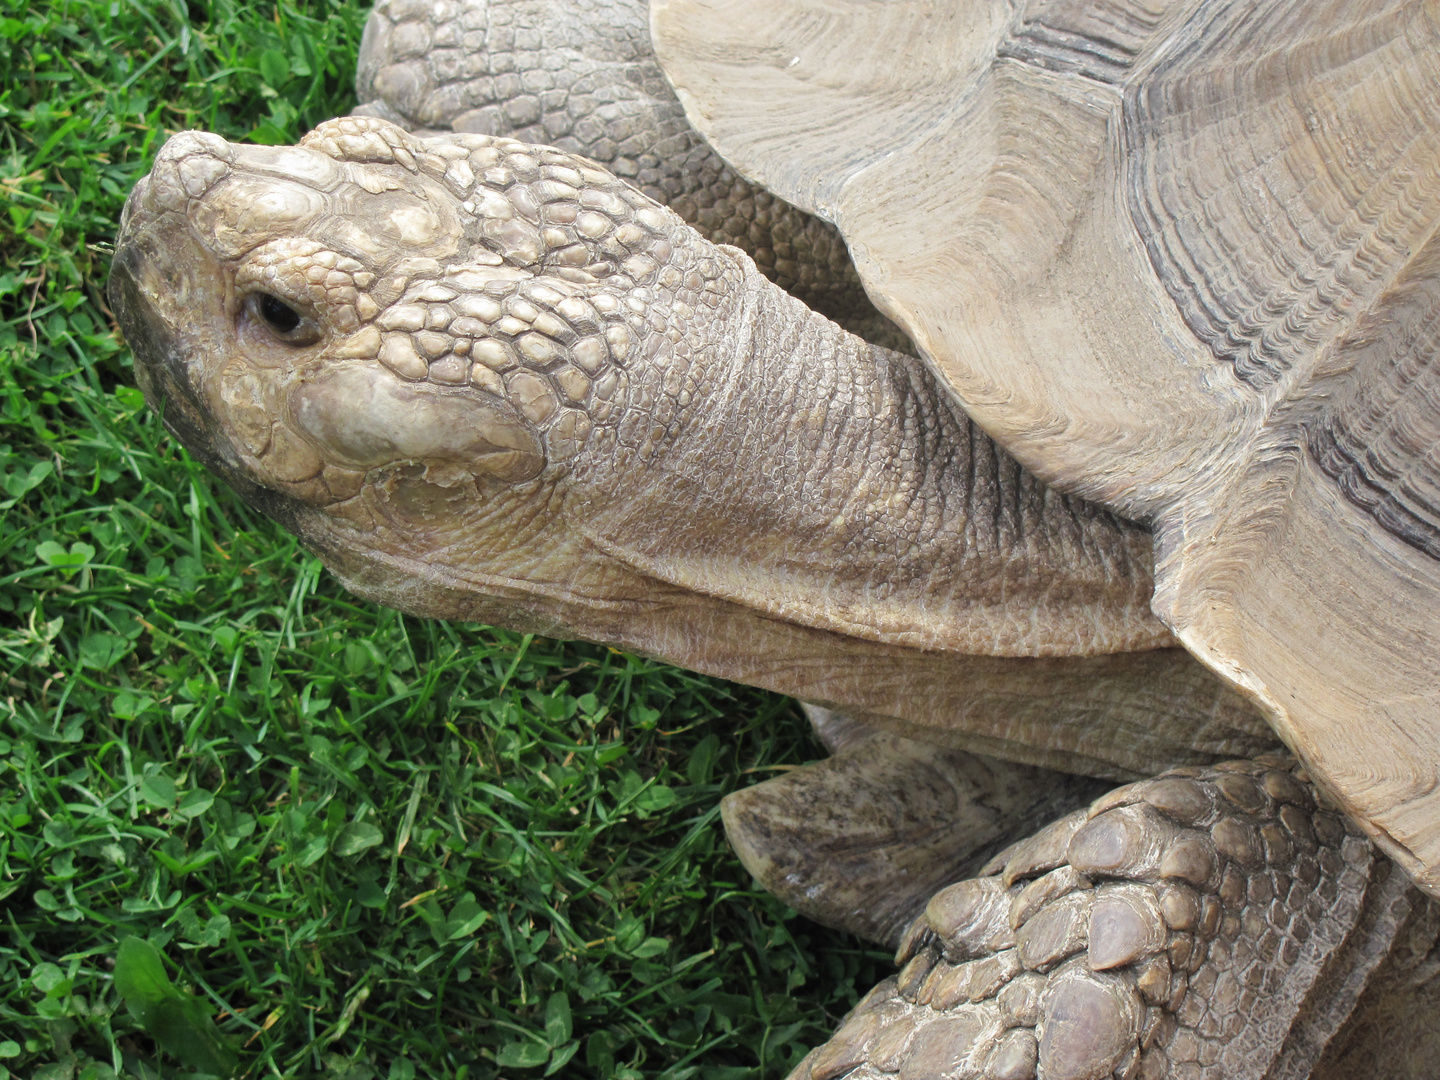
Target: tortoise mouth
(142, 272)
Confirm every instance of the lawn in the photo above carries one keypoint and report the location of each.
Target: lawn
(292, 830)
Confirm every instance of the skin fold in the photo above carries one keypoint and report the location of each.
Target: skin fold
(485, 379)
(577, 416)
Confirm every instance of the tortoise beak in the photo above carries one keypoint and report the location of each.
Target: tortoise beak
(168, 290)
(153, 291)
(137, 281)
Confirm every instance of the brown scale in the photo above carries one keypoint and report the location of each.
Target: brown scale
(1090, 952)
(595, 63)
(555, 348)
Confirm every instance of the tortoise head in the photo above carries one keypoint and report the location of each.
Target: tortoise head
(488, 380)
(413, 353)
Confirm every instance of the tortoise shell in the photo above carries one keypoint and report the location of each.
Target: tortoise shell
(1179, 257)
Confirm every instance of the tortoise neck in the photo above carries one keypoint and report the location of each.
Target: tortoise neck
(822, 480)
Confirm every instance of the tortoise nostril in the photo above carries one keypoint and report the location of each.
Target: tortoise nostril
(280, 315)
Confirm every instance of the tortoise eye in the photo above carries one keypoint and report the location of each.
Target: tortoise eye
(281, 321)
(280, 315)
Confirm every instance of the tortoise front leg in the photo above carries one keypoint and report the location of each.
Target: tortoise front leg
(1206, 924)
(860, 840)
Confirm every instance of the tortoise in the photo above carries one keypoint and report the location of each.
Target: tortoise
(587, 80)
(491, 380)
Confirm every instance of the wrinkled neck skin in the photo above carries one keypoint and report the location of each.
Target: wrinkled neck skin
(510, 388)
(818, 479)
(760, 458)
(814, 516)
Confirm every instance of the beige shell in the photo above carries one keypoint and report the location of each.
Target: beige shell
(1179, 257)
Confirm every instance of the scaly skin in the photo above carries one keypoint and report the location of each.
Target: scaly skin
(581, 75)
(1210, 924)
(860, 840)
(489, 380)
(515, 389)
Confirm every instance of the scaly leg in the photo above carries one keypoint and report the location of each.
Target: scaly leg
(861, 840)
(1210, 923)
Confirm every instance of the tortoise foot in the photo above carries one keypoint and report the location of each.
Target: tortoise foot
(860, 840)
(1206, 924)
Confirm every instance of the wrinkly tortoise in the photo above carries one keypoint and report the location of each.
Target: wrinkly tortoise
(488, 380)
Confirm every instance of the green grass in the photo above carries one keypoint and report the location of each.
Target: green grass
(368, 846)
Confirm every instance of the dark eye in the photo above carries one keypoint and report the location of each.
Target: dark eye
(275, 319)
(280, 315)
